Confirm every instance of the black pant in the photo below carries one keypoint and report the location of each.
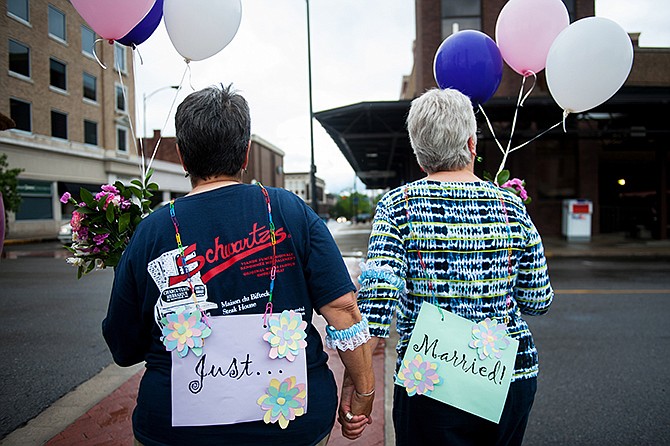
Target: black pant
(420, 420)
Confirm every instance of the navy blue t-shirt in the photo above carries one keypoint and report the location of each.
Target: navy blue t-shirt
(226, 239)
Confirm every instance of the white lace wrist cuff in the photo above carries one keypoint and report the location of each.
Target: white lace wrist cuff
(348, 338)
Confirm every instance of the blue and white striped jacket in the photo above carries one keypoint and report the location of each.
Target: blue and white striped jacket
(460, 231)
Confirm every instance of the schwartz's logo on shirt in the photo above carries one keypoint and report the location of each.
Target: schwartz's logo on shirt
(172, 279)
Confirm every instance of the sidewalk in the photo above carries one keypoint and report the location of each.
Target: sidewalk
(98, 412)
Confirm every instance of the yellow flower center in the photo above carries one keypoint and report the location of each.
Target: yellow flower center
(281, 401)
(417, 376)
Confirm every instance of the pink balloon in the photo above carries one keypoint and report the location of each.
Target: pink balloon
(112, 19)
(525, 31)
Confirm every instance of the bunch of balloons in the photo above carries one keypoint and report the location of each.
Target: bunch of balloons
(586, 61)
(198, 29)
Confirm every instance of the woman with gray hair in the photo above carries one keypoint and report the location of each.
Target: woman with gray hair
(216, 293)
(465, 246)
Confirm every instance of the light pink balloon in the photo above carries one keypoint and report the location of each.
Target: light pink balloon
(525, 31)
(112, 19)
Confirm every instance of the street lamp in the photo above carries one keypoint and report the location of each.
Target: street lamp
(144, 105)
(312, 167)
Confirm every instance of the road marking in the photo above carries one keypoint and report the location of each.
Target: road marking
(638, 291)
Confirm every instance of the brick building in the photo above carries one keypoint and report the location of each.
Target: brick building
(73, 125)
(615, 155)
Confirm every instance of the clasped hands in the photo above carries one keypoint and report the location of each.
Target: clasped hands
(354, 411)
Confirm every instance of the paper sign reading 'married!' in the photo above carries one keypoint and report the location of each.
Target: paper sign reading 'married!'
(458, 362)
(224, 384)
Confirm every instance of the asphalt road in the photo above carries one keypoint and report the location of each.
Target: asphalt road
(603, 345)
(50, 334)
(604, 360)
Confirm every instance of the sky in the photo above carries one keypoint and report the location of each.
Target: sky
(360, 51)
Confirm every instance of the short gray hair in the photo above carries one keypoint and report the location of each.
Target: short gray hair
(440, 122)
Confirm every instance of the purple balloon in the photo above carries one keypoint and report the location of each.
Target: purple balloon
(469, 61)
(146, 27)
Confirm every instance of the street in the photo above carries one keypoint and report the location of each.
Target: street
(603, 345)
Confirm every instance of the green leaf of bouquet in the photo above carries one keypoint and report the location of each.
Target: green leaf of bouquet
(109, 213)
(86, 197)
(487, 176)
(527, 200)
(152, 186)
(135, 191)
(137, 183)
(124, 222)
(503, 176)
(86, 210)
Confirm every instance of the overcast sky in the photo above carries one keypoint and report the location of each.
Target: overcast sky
(360, 51)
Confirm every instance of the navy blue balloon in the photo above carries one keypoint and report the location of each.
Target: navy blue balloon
(469, 61)
(146, 27)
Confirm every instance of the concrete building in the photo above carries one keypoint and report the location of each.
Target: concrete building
(298, 183)
(615, 155)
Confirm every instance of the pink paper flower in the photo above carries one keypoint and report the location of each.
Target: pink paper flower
(489, 338)
(418, 376)
(286, 335)
(65, 198)
(183, 331)
(283, 402)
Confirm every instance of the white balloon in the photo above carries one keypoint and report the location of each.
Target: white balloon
(199, 29)
(587, 63)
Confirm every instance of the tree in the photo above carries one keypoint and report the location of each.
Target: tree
(9, 184)
(350, 205)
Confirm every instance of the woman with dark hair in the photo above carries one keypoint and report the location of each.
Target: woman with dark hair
(216, 293)
(467, 247)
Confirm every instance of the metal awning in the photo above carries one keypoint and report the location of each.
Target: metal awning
(373, 138)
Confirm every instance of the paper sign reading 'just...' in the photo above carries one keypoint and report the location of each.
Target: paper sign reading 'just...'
(439, 363)
(223, 385)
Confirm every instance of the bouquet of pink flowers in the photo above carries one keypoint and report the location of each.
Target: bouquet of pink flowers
(102, 224)
(514, 185)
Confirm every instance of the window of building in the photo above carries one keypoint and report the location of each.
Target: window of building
(90, 87)
(121, 139)
(120, 57)
(36, 200)
(57, 23)
(120, 98)
(58, 124)
(90, 132)
(458, 15)
(19, 111)
(57, 74)
(19, 58)
(19, 9)
(87, 40)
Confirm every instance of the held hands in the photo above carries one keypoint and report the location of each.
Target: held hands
(354, 411)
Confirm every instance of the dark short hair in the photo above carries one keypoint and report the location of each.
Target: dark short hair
(213, 128)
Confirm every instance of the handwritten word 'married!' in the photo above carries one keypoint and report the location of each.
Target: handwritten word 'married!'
(461, 361)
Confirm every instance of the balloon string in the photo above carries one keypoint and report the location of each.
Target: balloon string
(532, 87)
(481, 109)
(96, 55)
(130, 122)
(174, 100)
(506, 152)
(190, 74)
(537, 136)
(136, 49)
